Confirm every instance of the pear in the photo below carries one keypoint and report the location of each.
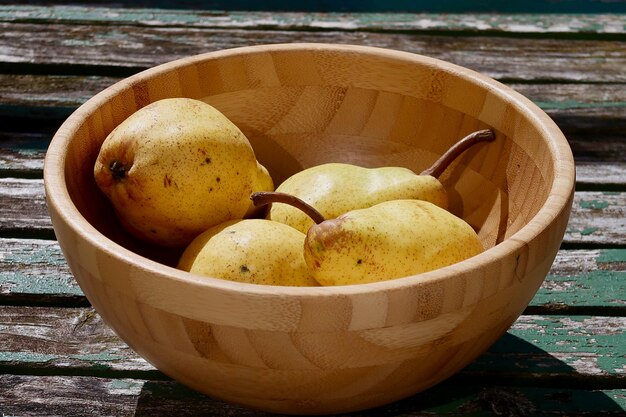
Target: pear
(177, 167)
(336, 188)
(256, 251)
(389, 240)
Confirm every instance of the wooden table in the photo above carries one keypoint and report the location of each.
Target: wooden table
(565, 356)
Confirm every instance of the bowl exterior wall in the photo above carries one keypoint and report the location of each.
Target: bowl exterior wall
(315, 365)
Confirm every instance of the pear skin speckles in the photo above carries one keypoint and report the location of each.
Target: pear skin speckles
(179, 167)
(334, 189)
(390, 240)
(256, 251)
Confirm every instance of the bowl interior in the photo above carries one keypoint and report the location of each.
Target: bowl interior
(302, 106)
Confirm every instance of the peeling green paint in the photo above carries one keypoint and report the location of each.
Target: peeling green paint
(574, 104)
(26, 357)
(126, 384)
(98, 357)
(37, 268)
(585, 232)
(593, 204)
(593, 289)
(612, 256)
(578, 335)
(368, 17)
(24, 283)
(44, 254)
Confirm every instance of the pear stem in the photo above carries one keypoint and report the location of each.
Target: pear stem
(441, 164)
(262, 198)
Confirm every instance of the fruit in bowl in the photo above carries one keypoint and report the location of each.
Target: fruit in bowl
(311, 350)
(391, 239)
(175, 168)
(161, 168)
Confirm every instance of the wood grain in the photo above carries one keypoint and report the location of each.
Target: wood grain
(320, 339)
(76, 341)
(565, 356)
(87, 47)
(65, 396)
(34, 271)
(520, 23)
(597, 217)
(23, 196)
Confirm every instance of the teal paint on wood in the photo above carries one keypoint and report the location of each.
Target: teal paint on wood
(575, 346)
(578, 278)
(35, 267)
(571, 338)
(423, 20)
(593, 204)
(596, 289)
(26, 357)
(597, 218)
(612, 256)
(47, 338)
(350, 6)
(65, 396)
(573, 104)
(583, 232)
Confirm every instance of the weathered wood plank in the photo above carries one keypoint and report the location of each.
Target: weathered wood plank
(584, 279)
(75, 340)
(65, 338)
(134, 48)
(23, 205)
(73, 90)
(597, 218)
(599, 161)
(519, 23)
(35, 270)
(558, 346)
(23, 152)
(600, 175)
(63, 396)
(592, 116)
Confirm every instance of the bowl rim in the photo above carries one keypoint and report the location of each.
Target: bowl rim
(558, 200)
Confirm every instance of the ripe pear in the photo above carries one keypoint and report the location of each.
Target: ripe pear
(256, 251)
(336, 188)
(177, 167)
(389, 240)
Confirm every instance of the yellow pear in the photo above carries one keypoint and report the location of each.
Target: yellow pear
(336, 188)
(389, 240)
(175, 168)
(256, 251)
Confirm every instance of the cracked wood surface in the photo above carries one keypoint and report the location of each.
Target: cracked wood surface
(565, 356)
(75, 340)
(597, 218)
(27, 396)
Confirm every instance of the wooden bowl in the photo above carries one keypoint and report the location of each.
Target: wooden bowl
(339, 349)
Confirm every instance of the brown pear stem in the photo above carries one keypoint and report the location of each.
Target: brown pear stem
(457, 149)
(262, 198)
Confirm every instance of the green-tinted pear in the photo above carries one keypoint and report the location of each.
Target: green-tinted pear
(389, 240)
(336, 188)
(256, 251)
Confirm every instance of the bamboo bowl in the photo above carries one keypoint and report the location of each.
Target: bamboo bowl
(324, 350)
